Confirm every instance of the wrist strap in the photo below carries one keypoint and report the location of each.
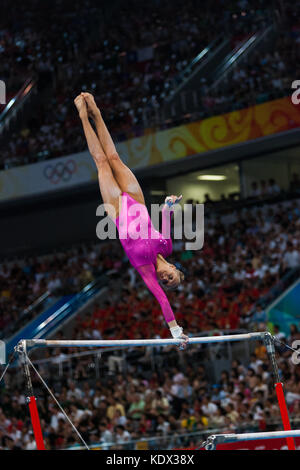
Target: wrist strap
(176, 331)
(169, 201)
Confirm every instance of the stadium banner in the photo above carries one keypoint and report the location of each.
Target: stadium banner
(213, 133)
(153, 148)
(46, 176)
(284, 311)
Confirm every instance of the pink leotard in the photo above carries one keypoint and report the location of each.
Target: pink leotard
(142, 243)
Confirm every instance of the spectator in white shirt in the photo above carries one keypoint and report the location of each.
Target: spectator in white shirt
(208, 408)
(178, 376)
(122, 435)
(74, 392)
(106, 436)
(291, 257)
(279, 334)
(254, 363)
(54, 283)
(163, 425)
(31, 445)
(56, 416)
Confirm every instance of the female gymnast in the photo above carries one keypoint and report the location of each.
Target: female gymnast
(117, 182)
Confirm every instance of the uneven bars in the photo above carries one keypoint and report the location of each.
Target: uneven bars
(142, 342)
(223, 438)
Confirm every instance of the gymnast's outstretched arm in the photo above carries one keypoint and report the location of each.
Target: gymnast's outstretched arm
(148, 275)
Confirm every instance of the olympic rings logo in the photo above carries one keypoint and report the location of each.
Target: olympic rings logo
(60, 171)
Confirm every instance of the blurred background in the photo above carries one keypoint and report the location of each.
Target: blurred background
(197, 97)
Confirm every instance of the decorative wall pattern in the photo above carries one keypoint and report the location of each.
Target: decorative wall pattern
(182, 141)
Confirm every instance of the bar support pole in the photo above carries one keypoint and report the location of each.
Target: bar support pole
(269, 343)
(30, 398)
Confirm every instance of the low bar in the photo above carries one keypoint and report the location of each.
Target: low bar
(142, 342)
(223, 438)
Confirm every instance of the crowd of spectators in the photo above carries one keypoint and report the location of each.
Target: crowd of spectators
(22, 282)
(264, 76)
(33, 40)
(35, 43)
(261, 76)
(245, 254)
(130, 64)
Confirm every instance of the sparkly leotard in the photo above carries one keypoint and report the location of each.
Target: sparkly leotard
(142, 243)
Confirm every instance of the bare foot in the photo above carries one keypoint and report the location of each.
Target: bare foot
(92, 108)
(81, 106)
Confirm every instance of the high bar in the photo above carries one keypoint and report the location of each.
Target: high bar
(142, 342)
